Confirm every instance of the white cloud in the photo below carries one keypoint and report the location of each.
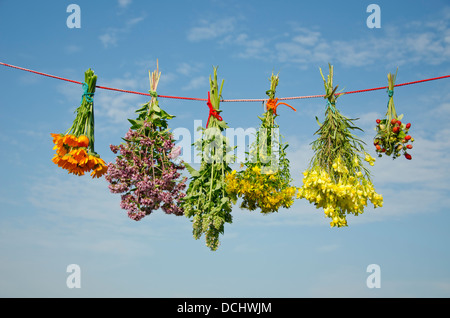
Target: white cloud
(188, 68)
(134, 21)
(124, 3)
(112, 35)
(306, 37)
(425, 42)
(254, 48)
(118, 106)
(210, 30)
(196, 82)
(72, 48)
(108, 39)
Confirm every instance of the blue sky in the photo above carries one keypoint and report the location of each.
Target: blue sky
(50, 219)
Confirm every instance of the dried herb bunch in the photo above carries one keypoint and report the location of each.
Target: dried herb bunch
(146, 170)
(206, 201)
(265, 183)
(392, 138)
(336, 179)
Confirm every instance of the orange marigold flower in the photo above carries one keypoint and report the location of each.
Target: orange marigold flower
(56, 159)
(99, 171)
(79, 154)
(77, 170)
(56, 137)
(57, 140)
(66, 164)
(83, 141)
(62, 151)
(70, 140)
(93, 161)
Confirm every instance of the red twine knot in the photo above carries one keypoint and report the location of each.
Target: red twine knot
(273, 104)
(212, 111)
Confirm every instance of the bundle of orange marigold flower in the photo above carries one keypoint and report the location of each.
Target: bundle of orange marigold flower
(75, 148)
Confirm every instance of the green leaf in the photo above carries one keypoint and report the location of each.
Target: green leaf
(192, 171)
(318, 122)
(142, 109)
(156, 108)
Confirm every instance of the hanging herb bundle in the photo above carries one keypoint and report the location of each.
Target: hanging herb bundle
(336, 179)
(75, 148)
(392, 138)
(265, 182)
(145, 170)
(206, 201)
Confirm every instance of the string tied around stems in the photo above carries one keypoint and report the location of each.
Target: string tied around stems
(212, 111)
(331, 105)
(88, 96)
(273, 103)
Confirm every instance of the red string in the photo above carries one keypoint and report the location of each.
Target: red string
(212, 111)
(273, 104)
(224, 100)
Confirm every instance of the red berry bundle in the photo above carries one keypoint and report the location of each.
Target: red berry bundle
(392, 138)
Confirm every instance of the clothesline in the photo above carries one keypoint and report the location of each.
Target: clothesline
(224, 100)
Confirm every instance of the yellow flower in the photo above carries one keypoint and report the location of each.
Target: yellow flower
(256, 169)
(369, 159)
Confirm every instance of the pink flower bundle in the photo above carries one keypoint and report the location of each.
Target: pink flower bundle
(147, 171)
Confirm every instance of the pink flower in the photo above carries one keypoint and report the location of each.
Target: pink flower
(147, 179)
(175, 152)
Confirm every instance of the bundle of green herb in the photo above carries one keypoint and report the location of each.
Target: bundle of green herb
(206, 200)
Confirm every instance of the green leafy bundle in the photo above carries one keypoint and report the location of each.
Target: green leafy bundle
(335, 138)
(206, 200)
(84, 120)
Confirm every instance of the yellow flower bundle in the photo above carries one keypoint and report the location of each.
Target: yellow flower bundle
(265, 182)
(75, 148)
(336, 180)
